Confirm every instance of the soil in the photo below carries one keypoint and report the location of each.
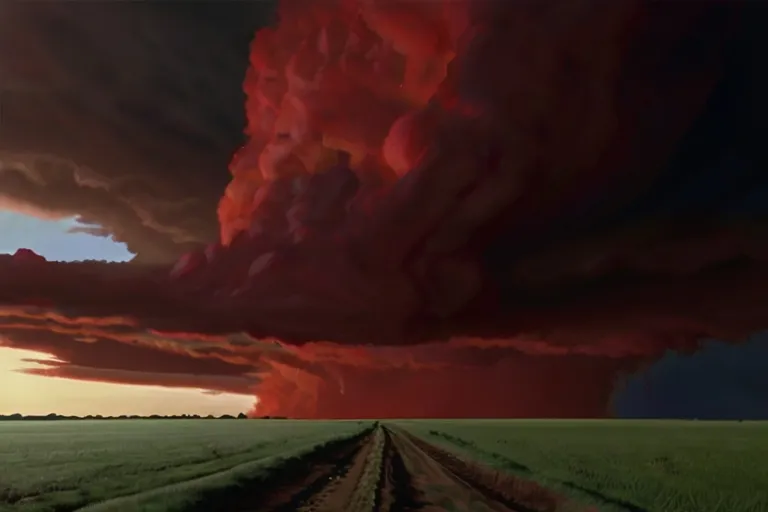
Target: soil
(389, 470)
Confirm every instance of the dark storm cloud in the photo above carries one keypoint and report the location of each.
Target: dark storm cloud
(212, 384)
(125, 114)
(107, 355)
(719, 382)
(513, 278)
(109, 350)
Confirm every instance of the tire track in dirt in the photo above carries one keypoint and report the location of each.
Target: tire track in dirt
(354, 489)
(396, 487)
(309, 489)
(457, 484)
(292, 485)
(390, 470)
(440, 485)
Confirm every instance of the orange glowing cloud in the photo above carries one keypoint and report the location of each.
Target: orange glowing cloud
(441, 209)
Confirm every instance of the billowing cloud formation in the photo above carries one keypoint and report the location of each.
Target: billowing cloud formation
(450, 209)
(105, 116)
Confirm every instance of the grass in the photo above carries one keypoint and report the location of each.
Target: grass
(659, 466)
(636, 466)
(62, 466)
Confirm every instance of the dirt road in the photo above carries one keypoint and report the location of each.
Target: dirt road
(389, 470)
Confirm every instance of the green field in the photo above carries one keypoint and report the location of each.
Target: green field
(64, 465)
(633, 466)
(659, 466)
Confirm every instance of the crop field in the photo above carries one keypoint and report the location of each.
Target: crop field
(664, 466)
(361, 466)
(64, 465)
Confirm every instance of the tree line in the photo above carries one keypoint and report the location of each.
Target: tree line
(55, 417)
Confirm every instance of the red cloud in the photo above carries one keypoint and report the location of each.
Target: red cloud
(496, 237)
(216, 383)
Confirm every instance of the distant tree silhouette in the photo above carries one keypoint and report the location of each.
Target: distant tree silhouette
(90, 417)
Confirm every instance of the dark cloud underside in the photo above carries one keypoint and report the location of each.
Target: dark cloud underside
(501, 278)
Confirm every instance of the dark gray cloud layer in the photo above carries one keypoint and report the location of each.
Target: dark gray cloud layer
(124, 113)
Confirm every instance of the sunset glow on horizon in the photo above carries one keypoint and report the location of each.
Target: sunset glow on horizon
(39, 395)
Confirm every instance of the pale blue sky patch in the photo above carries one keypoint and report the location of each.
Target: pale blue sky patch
(52, 239)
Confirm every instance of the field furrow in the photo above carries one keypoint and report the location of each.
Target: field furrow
(399, 466)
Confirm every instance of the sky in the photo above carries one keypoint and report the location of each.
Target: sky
(32, 394)
(54, 240)
(655, 392)
(720, 381)
(535, 222)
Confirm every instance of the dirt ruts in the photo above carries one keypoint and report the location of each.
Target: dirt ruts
(390, 470)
